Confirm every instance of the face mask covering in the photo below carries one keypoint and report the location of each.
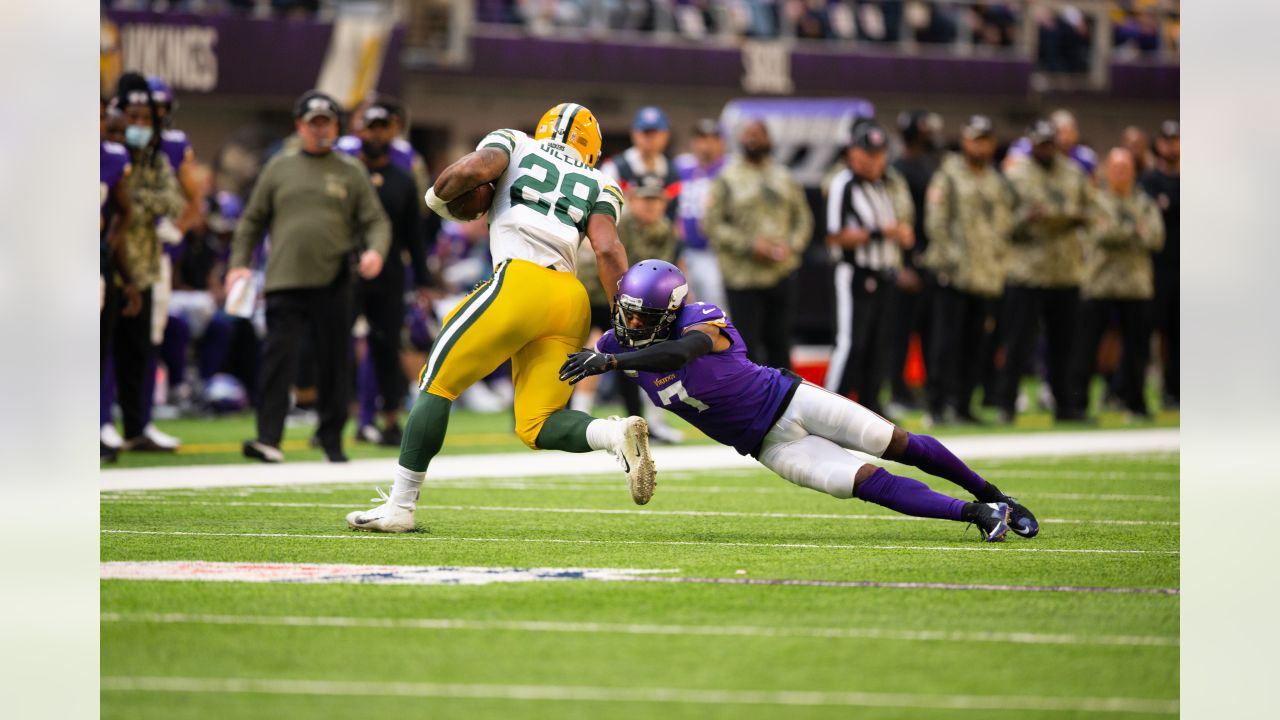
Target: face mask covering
(374, 151)
(137, 136)
(756, 152)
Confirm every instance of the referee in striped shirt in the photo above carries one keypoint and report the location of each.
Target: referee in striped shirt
(868, 227)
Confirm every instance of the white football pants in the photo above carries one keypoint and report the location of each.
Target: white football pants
(808, 445)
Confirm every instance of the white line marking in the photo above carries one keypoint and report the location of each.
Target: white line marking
(1103, 497)
(629, 694)
(628, 511)
(418, 537)
(1020, 638)
(206, 571)
(694, 457)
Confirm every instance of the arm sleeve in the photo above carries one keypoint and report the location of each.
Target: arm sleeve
(413, 225)
(939, 209)
(835, 202)
(609, 202)
(668, 355)
(255, 219)
(802, 219)
(371, 219)
(505, 140)
(717, 222)
(1153, 232)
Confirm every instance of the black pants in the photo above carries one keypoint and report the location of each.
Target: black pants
(763, 318)
(108, 317)
(913, 316)
(959, 337)
(1024, 308)
(132, 344)
(381, 301)
(1166, 321)
(323, 314)
(1135, 328)
(865, 310)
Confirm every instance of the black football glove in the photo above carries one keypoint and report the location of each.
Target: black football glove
(584, 364)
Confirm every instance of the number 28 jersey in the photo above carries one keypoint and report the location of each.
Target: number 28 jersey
(543, 201)
(723, 394)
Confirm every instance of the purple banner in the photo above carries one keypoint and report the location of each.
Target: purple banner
(227, 54)
(1157, 82)
(757, 67)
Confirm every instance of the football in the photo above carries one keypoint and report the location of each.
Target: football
(473, 203)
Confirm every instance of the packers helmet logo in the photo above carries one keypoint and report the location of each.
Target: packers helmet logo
(575, 126)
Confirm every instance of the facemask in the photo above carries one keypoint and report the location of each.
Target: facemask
(374, 151)
(137, 136)
(756, 152)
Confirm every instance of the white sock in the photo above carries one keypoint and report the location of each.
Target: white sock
(582, 400)
(405, 489)
(600, 433)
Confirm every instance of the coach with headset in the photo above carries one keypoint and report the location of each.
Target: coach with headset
(314, 203)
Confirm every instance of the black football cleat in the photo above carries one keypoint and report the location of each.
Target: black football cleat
(1021, 520)
(993, 520)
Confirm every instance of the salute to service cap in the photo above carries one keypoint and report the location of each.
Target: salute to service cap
(314, 103)
(1169, 129)
(870, 137)
(375, 114)
(650, 186)
(979, 126)
(1042, 131)
(706, 127)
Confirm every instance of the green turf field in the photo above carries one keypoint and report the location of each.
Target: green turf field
(209, 441)
(1045, 643)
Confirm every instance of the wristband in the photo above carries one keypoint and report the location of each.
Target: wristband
(439, 206)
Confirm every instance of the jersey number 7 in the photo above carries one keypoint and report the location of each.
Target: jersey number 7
(675, 392)
(533, 193)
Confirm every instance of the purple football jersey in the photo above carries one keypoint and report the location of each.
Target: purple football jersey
(695, 189)
(174, 145)
(723, 394)
(113, 159)
(400, 152)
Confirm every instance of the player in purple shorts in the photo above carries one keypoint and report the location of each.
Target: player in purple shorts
(691, 360)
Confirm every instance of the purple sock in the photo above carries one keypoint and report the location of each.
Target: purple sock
(367, 391)
(932, 457)
(908, 496)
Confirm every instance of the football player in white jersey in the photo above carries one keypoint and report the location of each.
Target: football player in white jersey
(533, 311)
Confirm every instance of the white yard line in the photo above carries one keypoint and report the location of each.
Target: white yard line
(1023, 638)
(531, 464)
(579, 693)
(419, 537)
(618, 511)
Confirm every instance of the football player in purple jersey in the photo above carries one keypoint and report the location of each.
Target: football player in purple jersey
(691, 360)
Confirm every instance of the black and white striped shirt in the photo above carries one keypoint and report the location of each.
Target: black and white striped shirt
(856, 202)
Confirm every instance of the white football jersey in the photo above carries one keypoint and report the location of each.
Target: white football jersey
(543, 200)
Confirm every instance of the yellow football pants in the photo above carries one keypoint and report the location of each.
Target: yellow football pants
(533, 316)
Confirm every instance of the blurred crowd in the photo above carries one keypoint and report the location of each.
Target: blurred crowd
(960, 265)
(1064, 30)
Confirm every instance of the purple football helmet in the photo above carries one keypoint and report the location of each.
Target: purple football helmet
(162, 94)
(650, 296)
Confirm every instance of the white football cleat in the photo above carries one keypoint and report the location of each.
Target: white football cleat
(631, 448)
(110, 437)
(162, 440)
(387, 517)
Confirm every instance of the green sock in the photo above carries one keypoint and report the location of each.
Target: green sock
(565, 430)
(424, 431)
